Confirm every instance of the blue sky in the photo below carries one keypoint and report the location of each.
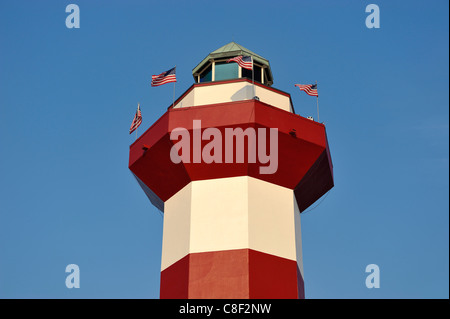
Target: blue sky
(67, 98)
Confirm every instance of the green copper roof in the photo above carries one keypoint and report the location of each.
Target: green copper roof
(230, 50)
(233, 47)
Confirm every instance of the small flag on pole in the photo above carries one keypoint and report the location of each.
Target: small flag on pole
(245, 62)
(136, 121)
(165, 77)
(310, 89)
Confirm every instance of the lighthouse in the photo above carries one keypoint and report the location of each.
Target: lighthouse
(232, 167)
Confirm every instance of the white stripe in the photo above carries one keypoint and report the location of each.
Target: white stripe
(230, 213)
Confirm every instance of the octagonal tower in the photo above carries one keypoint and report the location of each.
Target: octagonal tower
(232, 167)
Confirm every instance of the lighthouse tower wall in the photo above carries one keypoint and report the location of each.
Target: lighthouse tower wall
(232, 225)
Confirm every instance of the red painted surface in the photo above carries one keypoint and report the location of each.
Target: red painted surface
(175, 280)
(303, 160)
(272, 277)
(236, 274)
(316, 182)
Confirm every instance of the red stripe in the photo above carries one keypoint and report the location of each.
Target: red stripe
(235, 274)
(307, 88)
(245, 65)
(160, 81)
(164, 82)
(310, 92)
(137, 120)
(296, 155)
(159, 78)
(136, 123)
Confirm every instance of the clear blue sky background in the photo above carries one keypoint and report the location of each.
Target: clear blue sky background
(67, 98)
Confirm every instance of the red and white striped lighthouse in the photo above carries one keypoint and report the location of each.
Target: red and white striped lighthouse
(246, 167)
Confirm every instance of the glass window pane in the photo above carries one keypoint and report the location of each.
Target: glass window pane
(206, 75)
(248, 73)
(257, 73)
(226, 71)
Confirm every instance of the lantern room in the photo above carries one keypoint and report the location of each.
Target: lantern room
(214, 67)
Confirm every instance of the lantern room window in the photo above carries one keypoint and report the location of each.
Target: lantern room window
(226, 71)
(206, 74)
(248, 73)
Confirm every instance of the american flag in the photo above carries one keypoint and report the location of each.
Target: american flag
(245, 62)
(310, 89)
(165, 77)
(136, 121)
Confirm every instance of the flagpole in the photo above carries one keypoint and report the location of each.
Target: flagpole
(173, 100)
(253, 78)
(318, 119)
